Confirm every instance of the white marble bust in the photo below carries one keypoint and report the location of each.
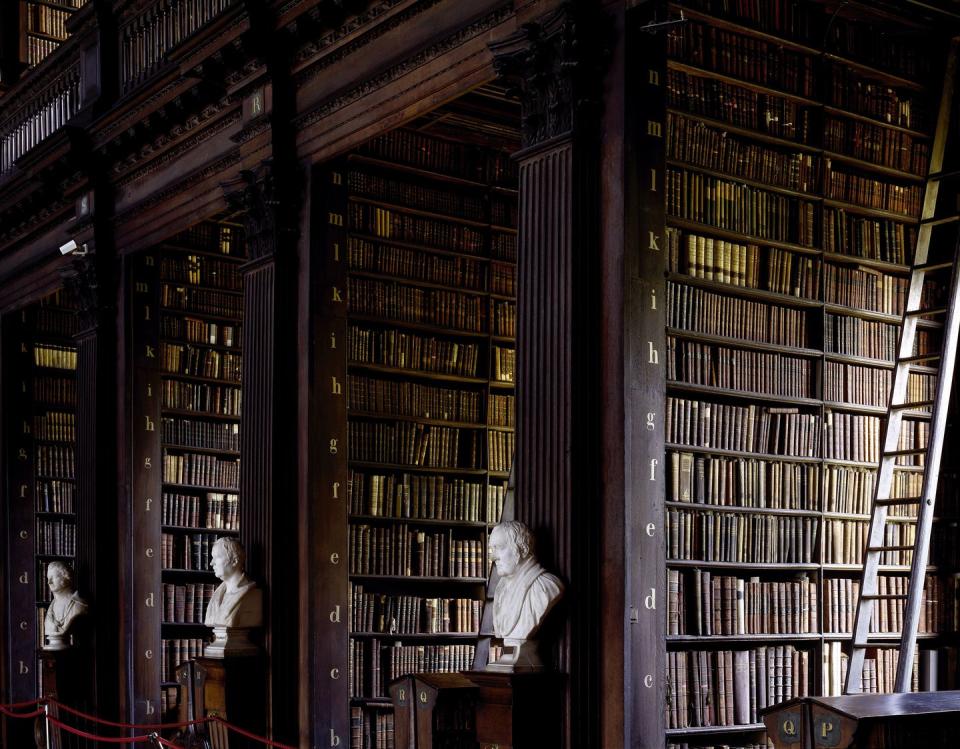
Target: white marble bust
(65, 608)
(236, 605)
(524, 595)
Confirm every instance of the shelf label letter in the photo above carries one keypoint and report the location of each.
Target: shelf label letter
(151, 353)
(24, 535)
(150, 708)
(336, 252)
(335, 559)
(336, 178)
(651, 529)
(149, 601)
(24, 578)
(333, 340)
(148, 425)
(654, 354)
(24, 668)
(148, 654)
(653, 468)
(648, 681)
(148, 552)
(651, 420)
(334, 739)
(336, 490)
(147, 463)
(653, 243)
(334, 673)
(650, 601)
(654, 128)
(141, 287)
(653, 77)
(335, 614)
(336, 219)
(333, 446)
(24, 625)
(23, 491)
(653, 298)
(335, 387)
(149, 503)
(337, 296)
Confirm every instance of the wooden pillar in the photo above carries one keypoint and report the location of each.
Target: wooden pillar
(267, 429)
(89, 277)
(559, 62)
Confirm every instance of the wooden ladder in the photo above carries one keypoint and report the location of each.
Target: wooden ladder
(907, 361)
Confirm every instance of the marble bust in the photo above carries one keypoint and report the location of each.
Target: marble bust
(524, 595)
(65, 608)
(236, 606)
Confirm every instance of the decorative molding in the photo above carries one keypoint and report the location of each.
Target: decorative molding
(559, 63)
(364, 19)
(175, 151)
(397, 71)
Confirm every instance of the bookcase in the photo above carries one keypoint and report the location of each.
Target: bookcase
(796, 145)
(40, 405)
(43, 24)
(187, 313)
(427, 228)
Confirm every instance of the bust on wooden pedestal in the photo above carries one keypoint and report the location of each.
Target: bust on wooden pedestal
(237, 604)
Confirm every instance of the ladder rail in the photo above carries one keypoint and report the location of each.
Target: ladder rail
(894, 420)
(931, 478)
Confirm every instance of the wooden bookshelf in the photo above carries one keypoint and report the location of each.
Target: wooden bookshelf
(792, 211)
(188, 317)
(44, 26)
(41, 433)
(429, 268)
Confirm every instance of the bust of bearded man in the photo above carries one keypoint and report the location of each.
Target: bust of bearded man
(523, 597)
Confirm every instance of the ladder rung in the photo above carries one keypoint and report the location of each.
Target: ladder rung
(939, 176)
(910, 405)
(884, 596)
(940, 221)
(893, 501)
(922, 312)
(911, 451)
(907, 547)
(927, 267)
(919, 358)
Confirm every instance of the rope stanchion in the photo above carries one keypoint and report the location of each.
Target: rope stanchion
(247, 734)
(115, 724)
(105, 739)
(13, 714)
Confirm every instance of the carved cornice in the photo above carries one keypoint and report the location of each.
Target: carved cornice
(559, 63)
(412, 63)
(366, 18)
(265, 216)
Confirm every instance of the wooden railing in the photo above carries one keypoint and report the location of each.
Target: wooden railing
(35, 114)
(146, 39)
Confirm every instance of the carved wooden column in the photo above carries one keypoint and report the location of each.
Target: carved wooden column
(268, 425)
(559, 63)
(89, 277)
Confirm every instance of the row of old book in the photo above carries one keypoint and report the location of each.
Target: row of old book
(200, 362)
(871, 238)
(731, 687)
(217, 510)
(54, 356)
(745, 209)
(54, 495)
(411, 351)
(55, 390)
(388, 223)
(379, 257)
(201, 331)
(176, 431)
(870, 386)
(56, 461)
(56, 536)
(707, 312)
(217, 400)
(176, 650)
(205, 470)
(415, 444)
(854, 336)
(373, 664)
(186, 551)
(371, 729)
(397, 301)
(202, 301)
(56, 322)
(200, 270)
(186, 604)
(456, 203)
(398, 550)
(771, 484)
(845, 540)
(406, 398)
(939, 607)
(500, 449)
(747, 539)
(747, 370)
(59, 426)
(417, 496)
(411, 614)
(443, 156)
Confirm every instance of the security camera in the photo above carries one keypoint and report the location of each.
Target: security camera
(66, 249)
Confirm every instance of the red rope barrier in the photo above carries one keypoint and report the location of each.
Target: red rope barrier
(114, 724)
(249, 735)
(26, 703)
(105, 739)
(36, 713)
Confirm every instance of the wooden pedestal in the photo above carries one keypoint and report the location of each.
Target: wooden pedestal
(231, 688)
(67, 677)
(518, 711)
